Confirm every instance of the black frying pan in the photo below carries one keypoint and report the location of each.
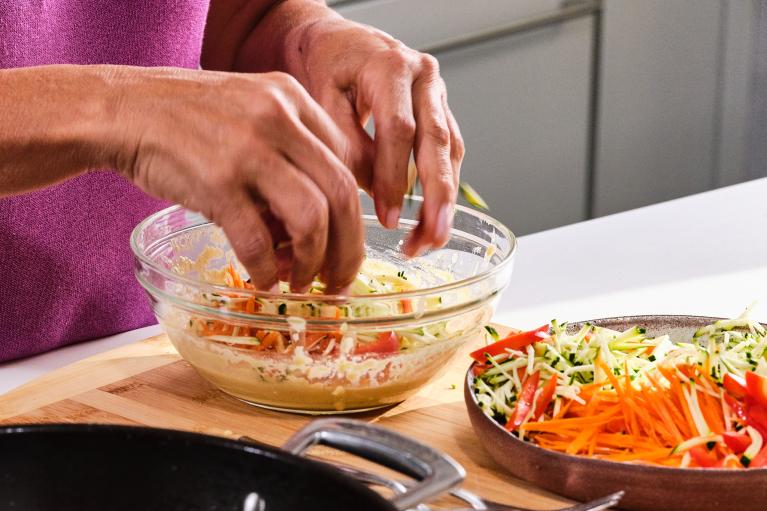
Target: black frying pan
(119, 468)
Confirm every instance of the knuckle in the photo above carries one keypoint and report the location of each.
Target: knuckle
(284, 81)
(450, 187)
(401, 127)
(429, 63)
(252, 247)
(398, 57)
(276, 108)
(439, 133)
(460, 148)
(224, 178)
(315, 218)
(445, 184)
(346, 197)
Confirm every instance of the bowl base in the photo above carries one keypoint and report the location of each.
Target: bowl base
(311, 412)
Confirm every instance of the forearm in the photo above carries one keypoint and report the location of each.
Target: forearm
(259, 35)
(53, 125)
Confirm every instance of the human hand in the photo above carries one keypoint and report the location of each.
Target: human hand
(255, 154)
(354, 71)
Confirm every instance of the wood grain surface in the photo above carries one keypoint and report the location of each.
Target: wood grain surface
(147, 383)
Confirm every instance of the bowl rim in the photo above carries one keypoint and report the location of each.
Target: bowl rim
(505, 261)
(596, 462)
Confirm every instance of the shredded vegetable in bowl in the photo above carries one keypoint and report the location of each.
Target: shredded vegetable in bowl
(626, 396)
(375, 277)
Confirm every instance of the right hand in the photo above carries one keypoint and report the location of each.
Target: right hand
(255, 154)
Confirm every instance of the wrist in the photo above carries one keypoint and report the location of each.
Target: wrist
(55, 124)
(279, 40)
(300, 40)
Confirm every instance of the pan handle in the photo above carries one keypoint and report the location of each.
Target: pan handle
(436, 472)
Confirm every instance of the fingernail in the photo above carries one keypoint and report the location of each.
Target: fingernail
(392, 218)
(344, 291)
(275, 289)
(381, 212)
(411, 249)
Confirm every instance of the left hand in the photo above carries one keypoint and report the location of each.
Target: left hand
(353, 71)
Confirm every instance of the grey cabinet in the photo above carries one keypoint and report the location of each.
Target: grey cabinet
(521, 97)
(658, 101)
(675, 94)
(522, 104)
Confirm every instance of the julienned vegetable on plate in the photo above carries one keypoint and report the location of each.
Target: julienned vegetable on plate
(624, 396)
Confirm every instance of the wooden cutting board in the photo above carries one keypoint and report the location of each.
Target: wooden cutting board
(147, 383)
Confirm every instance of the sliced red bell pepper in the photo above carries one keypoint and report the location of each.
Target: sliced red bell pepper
(544, 398)
(387, 342)
(477, 369)
(524, 401)
(757, 388)
(512, 342)
(737, 407)
(756, 417)
(738, 442)
(760, 460)
(734, 386)
(703, 457)
(407, 305)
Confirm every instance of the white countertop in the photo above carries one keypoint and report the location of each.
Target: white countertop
(705, 254)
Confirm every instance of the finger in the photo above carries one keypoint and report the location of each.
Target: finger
(249, 236)
(388, 91)
(345, 243)
(300, 206)
(433, 159)
(360, 155)
(457, 147)
(281, 243)
(342, 132)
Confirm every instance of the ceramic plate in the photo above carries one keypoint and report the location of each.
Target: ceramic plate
(647, 487)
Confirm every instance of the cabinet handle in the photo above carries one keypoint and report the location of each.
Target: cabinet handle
(569, 9)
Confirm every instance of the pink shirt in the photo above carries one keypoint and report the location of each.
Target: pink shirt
(66, 272)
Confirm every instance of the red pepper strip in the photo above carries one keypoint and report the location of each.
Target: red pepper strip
(387, 342)
(407, 305)
(757, 388)
(545, 397)
(703, 457)
(738, 442)
(524, 401)
(734, 387)
(756, 417)
(737, 407)
(512, 342)
(479, 369)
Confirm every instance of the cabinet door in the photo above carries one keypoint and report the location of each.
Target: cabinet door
(523, 106)
(658, 128)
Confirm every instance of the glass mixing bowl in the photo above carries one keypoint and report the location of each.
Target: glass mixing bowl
(314, 353)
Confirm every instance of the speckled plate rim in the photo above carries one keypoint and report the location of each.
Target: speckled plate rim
(599, 464)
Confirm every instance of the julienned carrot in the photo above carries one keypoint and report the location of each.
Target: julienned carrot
(678, 395)
(575, 422)
(712, 412)
(234, 279)
(623, 421)
(678, 419)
